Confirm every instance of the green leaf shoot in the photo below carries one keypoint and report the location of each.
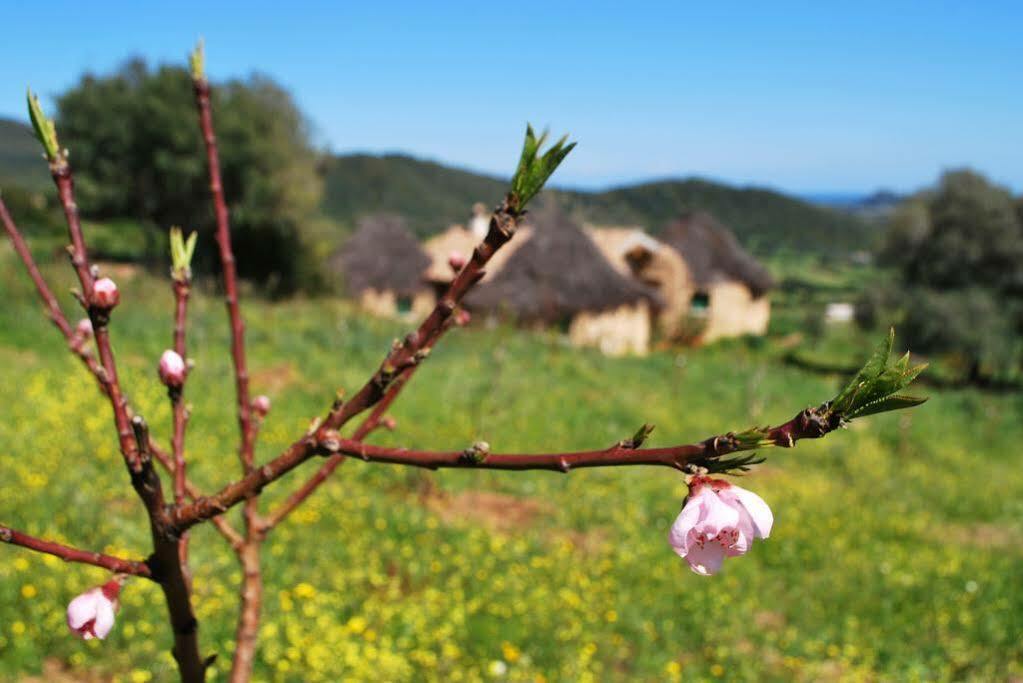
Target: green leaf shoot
(45, 131)
(535, 168)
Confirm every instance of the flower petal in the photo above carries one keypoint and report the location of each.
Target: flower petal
(678, 537)
(104, 619)
(759, 512)
(706, 559)
(82, 609)
(717, 516)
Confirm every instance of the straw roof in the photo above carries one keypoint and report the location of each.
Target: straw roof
(713, 254)
(557, 273)
(382, 255)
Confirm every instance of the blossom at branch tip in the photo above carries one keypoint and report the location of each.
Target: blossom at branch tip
(105, 294)
(719, 520)
(91, 614)
(261, 404)
(172, 369)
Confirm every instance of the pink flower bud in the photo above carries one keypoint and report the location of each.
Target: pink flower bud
(389, 423)
(84, 328)
(105, 294)
(462, 317)
(456, 260)
(91, 614)
(261, 404)
(719, 520)
(172, 369)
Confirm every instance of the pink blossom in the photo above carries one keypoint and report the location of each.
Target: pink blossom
(462, 317)
(389, 423)
(456, 260)
(84, 328)
(91, 614)
(105, 293)
(719, 520)
(261, 404)
(172, 369)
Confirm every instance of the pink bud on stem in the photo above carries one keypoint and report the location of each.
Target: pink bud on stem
(172, 369)
(261, 404)
(456, 260)
(105, 294)
(84, 328)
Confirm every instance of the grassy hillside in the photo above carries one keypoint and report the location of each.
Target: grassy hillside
(895, 553)
(433, 196)
(21, 161)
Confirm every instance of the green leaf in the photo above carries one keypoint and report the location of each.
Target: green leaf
(875, 387)
(181, 254)
(534, 168)
(197, 61)
(894, 402)
(44, 128)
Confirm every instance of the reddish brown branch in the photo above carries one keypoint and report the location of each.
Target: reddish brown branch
(165, 562)
(247, 630)
(61, 172)
(248, 551)
(404, 355)
(68, 554)
(809, 424)
(367, 427)
(77, 345)
(181, 291)
(76, 342)
(227, 262)
(182, 287)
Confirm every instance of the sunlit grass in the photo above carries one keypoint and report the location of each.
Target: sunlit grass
(896, 553)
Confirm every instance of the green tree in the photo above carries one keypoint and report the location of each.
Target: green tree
(137, 153)
(958, 250)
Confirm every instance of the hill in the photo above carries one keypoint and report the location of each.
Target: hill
(432, 196)
(21, 160)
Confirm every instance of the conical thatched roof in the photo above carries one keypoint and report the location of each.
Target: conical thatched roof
(713, 254)
(382, 255)
(557, 273)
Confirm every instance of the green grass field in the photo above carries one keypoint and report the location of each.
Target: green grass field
(897, 552)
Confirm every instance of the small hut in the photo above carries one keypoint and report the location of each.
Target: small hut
(635, 254)
(728, 289)
(382, 266)
(458, 240)
(558, 277)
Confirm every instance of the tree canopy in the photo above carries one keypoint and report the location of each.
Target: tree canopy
(958, 249)
(138, 153)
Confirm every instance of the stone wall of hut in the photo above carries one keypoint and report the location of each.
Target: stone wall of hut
(733, 312)
(618, 332)
(388, 304)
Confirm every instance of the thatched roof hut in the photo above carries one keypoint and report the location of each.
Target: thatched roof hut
(637, 255)
(713, 254)
(382, 266)
(727, 288)
(458, 240)
(558, 276)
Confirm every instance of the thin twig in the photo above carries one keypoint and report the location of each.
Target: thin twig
(76, 342)
(403, 355)
(68, 554)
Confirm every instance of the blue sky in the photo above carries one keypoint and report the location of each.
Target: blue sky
(805, 97)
